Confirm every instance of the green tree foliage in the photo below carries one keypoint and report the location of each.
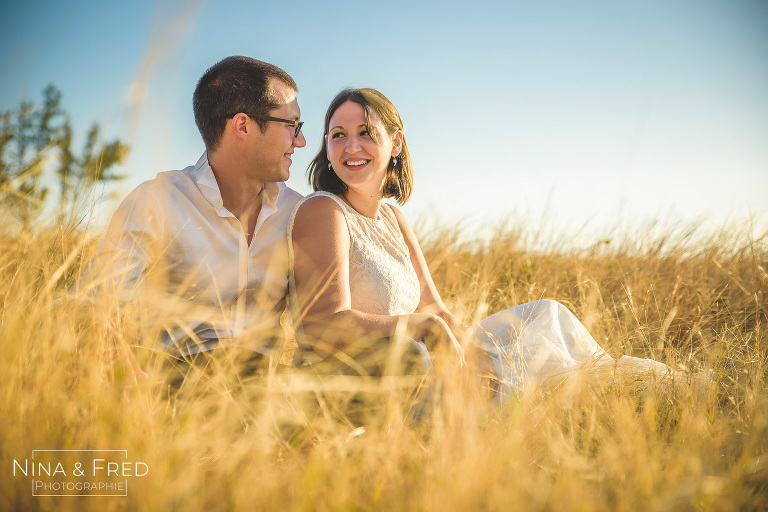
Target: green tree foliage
(35, 142)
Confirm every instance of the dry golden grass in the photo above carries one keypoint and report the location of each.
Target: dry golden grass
(271, 444)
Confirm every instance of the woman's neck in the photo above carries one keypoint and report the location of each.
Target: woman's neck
(368, 204)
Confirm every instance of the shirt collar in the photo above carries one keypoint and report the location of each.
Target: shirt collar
(207, 184)
(271, 191)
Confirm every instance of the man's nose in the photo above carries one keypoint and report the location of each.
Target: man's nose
(300, 141)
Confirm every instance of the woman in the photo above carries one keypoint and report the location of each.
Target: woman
(359, 274)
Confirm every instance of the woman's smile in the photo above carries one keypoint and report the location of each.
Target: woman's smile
(356, 163)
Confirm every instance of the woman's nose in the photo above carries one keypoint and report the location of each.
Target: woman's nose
(353, 145)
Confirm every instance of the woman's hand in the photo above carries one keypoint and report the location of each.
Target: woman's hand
(435, 333)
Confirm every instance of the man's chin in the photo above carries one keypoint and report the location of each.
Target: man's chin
(279, 175)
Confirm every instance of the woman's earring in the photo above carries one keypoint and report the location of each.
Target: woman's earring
(329, 166)
(394, 161)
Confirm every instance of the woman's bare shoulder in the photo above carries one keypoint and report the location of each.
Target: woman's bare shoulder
(318, 215)
(317, 207)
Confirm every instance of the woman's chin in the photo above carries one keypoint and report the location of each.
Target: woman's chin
(355, 182)
(365, 187)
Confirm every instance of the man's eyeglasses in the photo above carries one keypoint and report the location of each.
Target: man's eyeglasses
(294, 124)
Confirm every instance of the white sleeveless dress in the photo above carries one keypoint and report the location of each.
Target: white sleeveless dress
(530, 345)
(382, 279)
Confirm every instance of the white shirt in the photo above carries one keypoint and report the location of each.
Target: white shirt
(172, 234)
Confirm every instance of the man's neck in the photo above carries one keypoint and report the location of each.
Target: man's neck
(239, 193)
(241, 197)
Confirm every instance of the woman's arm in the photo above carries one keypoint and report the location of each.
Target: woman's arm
(430, 298)
(432, 302)
(321, 268)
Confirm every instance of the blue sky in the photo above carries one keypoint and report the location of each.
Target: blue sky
(581, 110)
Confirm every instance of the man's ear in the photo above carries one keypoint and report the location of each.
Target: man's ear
(239, 125)
(397, 143)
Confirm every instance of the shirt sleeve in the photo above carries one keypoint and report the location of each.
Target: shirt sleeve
(127, 250)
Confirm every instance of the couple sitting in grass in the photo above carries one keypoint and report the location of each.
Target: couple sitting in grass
(221, 247)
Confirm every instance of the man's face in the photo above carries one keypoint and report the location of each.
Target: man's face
(273, 149)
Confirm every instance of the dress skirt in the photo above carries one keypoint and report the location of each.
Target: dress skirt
(541, 343)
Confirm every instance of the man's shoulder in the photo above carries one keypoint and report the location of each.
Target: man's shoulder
(288, 197)
(166, 183)
(175, 180)
(159, 194)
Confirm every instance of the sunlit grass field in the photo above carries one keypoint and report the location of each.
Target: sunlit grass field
(286, 442)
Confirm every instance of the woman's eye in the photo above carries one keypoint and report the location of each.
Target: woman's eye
(336, 135)
(364, 133)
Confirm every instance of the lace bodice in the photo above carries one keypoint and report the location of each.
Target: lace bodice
(382, 279)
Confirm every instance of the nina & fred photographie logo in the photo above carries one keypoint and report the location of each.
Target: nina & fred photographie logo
(79, 472)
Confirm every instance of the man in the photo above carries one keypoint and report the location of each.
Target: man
(204, 250)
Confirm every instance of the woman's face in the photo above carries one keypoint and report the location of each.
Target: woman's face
(356, 158)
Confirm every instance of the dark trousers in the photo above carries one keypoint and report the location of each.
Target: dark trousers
(369, 361)
(403, 358)
(241, 364)
(379, 358)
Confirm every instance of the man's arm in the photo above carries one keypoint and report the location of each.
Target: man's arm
(116, 271)
(129, 246)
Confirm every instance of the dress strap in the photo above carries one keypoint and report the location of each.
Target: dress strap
(388, 215)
